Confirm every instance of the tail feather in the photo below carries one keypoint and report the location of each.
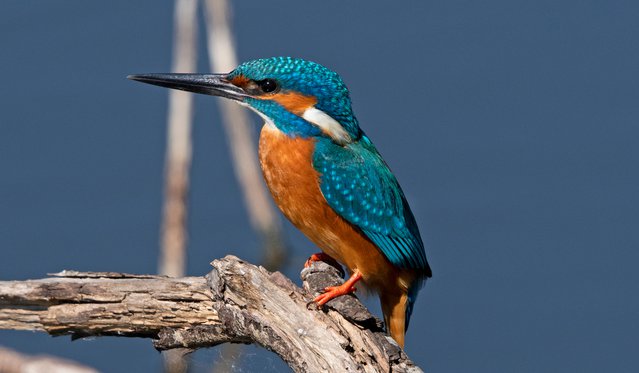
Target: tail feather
(395, 307)
(413, 290)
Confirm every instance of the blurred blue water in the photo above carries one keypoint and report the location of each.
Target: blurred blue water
(511, 125)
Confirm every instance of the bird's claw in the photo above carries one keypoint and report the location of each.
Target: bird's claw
(333, 292)
(320, 257)
(308, 304)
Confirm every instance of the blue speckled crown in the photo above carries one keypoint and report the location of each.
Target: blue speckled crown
(305, 77)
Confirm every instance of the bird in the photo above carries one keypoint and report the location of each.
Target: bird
(326, 176)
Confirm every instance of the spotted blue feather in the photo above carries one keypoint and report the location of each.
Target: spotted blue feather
(359, 186)
(303, 77)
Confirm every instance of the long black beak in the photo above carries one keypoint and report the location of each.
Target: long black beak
(208, 84)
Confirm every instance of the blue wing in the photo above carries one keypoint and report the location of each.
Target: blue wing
(359, 186)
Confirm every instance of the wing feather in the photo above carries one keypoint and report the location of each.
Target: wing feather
(359, 186)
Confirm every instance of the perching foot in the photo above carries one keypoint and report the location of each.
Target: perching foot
(335, 291)
(321, 257)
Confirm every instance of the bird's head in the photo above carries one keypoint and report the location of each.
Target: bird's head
(299, 97)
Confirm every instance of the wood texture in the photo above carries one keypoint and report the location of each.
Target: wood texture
(236, 302)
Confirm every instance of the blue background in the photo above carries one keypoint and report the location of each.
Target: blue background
(512, 126)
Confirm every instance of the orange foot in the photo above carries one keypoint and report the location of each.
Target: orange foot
(335, 291)
(320, 257)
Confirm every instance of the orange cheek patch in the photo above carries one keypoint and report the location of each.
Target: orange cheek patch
(294, 102)
(240, 81)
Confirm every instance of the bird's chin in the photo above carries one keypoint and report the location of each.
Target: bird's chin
(267, 120)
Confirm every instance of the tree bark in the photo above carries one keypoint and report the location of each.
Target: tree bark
(236, 302)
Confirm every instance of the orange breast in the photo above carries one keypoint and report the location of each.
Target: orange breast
(294, 183)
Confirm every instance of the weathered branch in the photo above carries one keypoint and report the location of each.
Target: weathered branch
(236, 302)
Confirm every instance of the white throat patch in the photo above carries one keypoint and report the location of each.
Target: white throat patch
(267, 121)
(327, 124)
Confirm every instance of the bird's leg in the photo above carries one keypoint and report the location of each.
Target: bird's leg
(321, 257)
(335, 291)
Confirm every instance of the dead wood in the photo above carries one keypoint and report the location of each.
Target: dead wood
(236, 302)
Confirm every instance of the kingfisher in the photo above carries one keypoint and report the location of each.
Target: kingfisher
(326, 176)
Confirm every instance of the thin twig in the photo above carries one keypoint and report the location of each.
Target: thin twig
(12, 361)
(262, 214)
(178, 156)
(172, 261)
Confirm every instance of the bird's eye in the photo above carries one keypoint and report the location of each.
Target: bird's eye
(268, 85)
